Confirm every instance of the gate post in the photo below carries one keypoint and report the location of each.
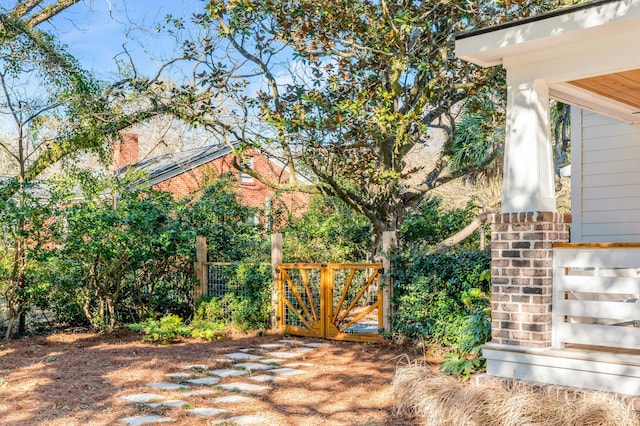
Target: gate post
(276, 259)
(200, 267)
(389, 242)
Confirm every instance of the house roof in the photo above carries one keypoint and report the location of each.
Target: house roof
(588, 55)
(489, 46)
(166, 166)
(531, 19)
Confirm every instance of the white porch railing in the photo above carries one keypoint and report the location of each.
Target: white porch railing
(596, 295)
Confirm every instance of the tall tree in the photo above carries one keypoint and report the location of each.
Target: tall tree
(53, 110)
(351, 87)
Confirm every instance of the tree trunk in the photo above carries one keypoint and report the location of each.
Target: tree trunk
(461, 235)
(22, 323)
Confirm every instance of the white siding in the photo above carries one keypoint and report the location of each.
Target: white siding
(606, 183)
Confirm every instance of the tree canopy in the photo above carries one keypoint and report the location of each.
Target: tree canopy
(348, 88)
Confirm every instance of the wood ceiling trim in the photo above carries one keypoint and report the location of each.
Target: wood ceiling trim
(623, 87)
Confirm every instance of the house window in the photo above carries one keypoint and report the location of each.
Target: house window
(244, 177)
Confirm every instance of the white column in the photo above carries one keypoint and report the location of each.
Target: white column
(528, 184)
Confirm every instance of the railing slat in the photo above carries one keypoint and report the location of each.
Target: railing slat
(597, 309)
(601, 335)
(590, 284)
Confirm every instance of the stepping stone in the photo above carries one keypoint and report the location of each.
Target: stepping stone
(299, 364)
(245, 421)
(284, 354)
(316, 345)
(253, 366)
(225, 360)
(242, 355)
(287, 371)
(245, 350)
(171, 403)
(178, 375)
(271, 346)
(272, 361)
(145, 420)
(305, 349)
(195, 367)
(204, 381)
(142, 397)
(200, 392)
(229, 372)
(289, 341)
(232, 399)
(243, 387)
(206, 412)
(264, 378)
(166, 386)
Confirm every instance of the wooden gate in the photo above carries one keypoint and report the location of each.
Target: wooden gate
(336, 301)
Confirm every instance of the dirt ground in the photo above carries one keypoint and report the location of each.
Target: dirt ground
(77, 379)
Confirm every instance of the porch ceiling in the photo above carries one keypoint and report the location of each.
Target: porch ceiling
(622, 87)
(616, 95)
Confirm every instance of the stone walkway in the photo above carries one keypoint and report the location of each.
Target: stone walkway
(244, 375)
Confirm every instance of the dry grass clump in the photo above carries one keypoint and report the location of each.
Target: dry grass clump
(437, 400)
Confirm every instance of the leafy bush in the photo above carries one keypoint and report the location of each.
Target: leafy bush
(208, 330)
(246, 303)
(432, 222)
(433, 294)
(164, 331)
(115, 263)
(329, 231)
(476, 330)
(170, 328)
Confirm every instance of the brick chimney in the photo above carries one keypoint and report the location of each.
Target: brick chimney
(125, 150)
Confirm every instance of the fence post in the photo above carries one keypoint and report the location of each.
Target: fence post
(276, 259)
(200, 267)
(389, 242)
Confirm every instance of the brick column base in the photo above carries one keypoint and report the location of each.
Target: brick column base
(522, 275)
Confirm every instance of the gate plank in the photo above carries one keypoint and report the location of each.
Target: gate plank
(305, 280)
(344, 294)
(374, 274)
(295, 293)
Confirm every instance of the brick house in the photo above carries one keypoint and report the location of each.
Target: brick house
(183, 173)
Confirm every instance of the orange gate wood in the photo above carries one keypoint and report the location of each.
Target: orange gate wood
(335, 301)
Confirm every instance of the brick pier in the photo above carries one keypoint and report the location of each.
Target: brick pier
(522, 275)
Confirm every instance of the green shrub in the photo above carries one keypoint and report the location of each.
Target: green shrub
(247, 302)
(210, 309)
(329, 231)
(164, 331)
(433, 294)
(208, 330)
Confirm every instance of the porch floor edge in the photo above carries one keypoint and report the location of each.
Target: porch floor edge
(575, 368)
(567, 393)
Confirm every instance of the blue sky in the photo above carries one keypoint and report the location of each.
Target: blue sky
(95, 30)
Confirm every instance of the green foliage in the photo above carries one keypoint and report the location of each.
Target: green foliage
(23, 225)
(208, 330)
(480, 133)
(457, 364)
(170, 328)
(371, 81)
(246, 303)
(434, 294)
(112, 259)
(230, 227)
(118, 262)
(431, 223)
(164, 331)
(475, 331)
(328, 232)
